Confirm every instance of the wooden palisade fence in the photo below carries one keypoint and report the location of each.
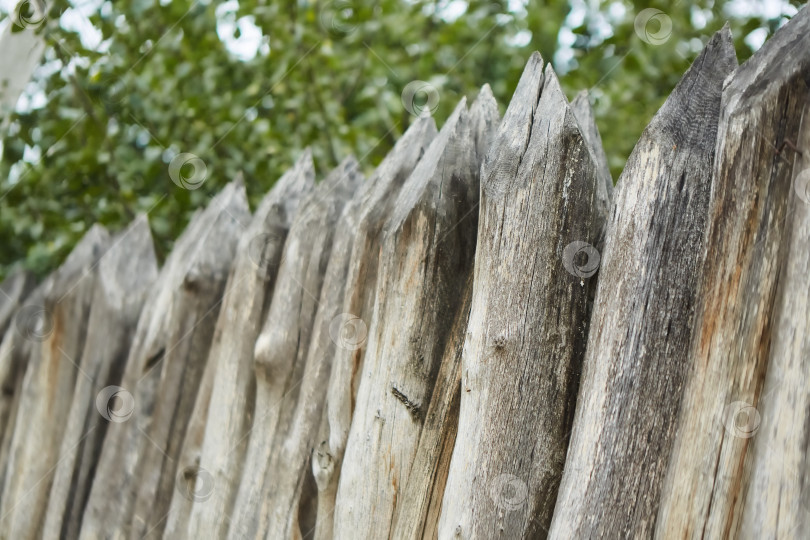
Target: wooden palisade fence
(481, 340)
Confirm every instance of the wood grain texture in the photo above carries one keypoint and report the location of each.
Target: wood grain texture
(16, 351)
(586, 118)
(184, 361)
(636, 358)
(58, 332)
(292, 499)
(289, 490)
(175, 329)
(419, 506)
(216, 442)
(528, 323)
(746, 245)
(283, 343)
(125, 274)
(426, 251)
(376, 201)
(420, 499)
(777, 495)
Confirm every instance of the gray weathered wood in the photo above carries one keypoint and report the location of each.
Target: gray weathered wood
(377, 201)
(184, 362)
(777, 496)
(418, 508)
(15, 354)
(58, 328)
(217, 438)
(583, 112)
(291, 496)
(426, 251)
(419, 499)
(529, 318)
(761, 108)
(641, 327)
(125, 273)
(14, 289)
(283, 343)
(175, 329)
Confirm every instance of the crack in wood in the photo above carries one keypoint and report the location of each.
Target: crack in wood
(413, 408)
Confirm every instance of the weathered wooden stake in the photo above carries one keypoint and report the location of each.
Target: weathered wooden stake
(174, 332)
(125, 274)
(226, 421)
(377, 202)
(528, 323)
(282, 346)
(641, 327)
(58, 328)
(761, 108)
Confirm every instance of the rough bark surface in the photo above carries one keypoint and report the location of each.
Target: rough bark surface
(125, 274)
(641, 327)
(777, 500)
(225, 423)
(174, 331)
(525, 338)
(58, 330)
(282, 346)
(761, 107)
(376, 201)
(427, 249)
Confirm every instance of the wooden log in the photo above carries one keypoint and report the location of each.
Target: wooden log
(174, 332)
(417, 515)
(282, 346)
(777, 495)
(290, 497)
(15, 353)
(14, 289)
(761, 109)
(377, 202)
(217, 435)
(58, 329)
(427, 249)
(529, 318)
(184, 363)
(125, 274)
(641, 327)
(419, 501)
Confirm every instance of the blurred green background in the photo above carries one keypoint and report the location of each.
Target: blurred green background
(246, 85)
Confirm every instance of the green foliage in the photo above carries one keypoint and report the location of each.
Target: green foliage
(329, 75)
